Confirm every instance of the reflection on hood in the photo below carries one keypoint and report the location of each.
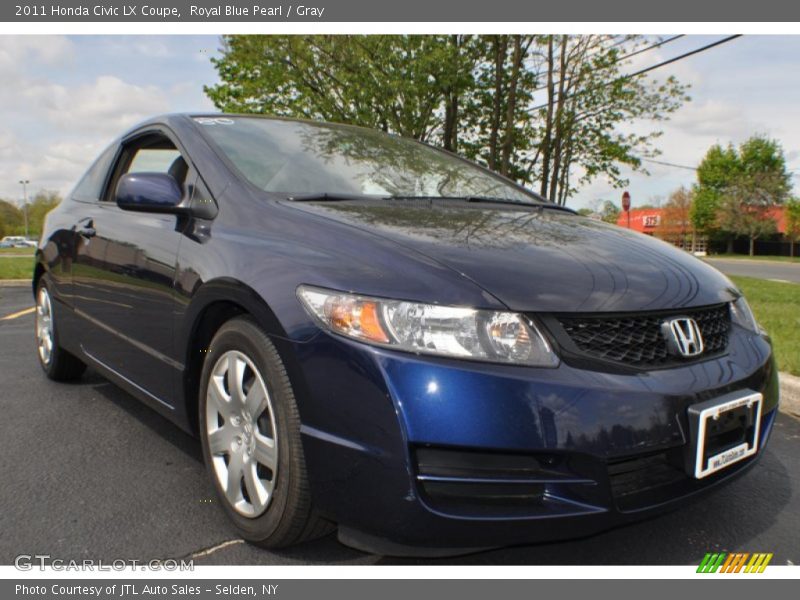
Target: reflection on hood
(540, 259)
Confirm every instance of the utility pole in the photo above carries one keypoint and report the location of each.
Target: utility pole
(25, 183)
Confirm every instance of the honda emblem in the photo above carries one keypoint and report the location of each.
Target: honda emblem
(683, 337)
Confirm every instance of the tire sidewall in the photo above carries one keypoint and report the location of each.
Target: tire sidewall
(244, 336)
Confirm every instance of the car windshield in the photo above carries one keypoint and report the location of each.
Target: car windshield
(304, 158)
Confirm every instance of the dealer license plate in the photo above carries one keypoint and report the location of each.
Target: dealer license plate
(725, 430)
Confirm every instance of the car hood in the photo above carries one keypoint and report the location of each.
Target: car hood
(540, 260)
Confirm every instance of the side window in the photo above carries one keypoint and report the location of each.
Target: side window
(90, 187)
(153, 160)
(153, 153)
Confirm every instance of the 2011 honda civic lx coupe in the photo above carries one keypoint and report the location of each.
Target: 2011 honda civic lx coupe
(371, 333)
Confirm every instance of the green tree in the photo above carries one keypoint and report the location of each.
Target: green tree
(535, 108)
(587, 95)
(792, 223)
(42, 203)
(496, 129)
(610, 212)
(395, 83)
(11, 219)
(717, 169)
(585, 212)
(736, 187)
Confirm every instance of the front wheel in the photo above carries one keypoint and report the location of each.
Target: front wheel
(250, 431)
(57, 363)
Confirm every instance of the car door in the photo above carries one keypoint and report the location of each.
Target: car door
(128, 297)
(80, 280)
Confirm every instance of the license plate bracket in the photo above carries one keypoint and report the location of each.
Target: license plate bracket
(724, 431)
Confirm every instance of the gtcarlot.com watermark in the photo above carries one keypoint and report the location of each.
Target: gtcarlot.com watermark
(29, 562)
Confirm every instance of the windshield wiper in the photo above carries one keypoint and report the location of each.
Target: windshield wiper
(342, 197)
(534, 203)
(334, 197)
(493, 199)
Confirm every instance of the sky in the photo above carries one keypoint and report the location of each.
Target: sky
(63, 98)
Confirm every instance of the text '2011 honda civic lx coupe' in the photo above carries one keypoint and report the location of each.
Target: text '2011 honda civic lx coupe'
(372, 334)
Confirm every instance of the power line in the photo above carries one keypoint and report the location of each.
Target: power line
(677, 166)
(621, 58)
(656, 45)
(668, 164)
(684, 55)
(654, 67)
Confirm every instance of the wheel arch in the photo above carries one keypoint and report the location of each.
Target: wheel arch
(38, 272)
(213, 304)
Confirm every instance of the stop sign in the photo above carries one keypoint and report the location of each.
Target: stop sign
(626, 201)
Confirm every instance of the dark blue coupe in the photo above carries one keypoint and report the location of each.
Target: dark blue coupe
(370, 334)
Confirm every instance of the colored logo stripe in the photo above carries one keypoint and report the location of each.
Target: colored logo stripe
(735, 562)
(758, 563)
(711, 562)
(736, 566)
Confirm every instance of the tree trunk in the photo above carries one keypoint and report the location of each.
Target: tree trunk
(559, 136)
(729, 250)
(563, 184)
(451, 111)
(752, 244)
(450, 141)
(511, 108)
(500, 49)
(548, 131)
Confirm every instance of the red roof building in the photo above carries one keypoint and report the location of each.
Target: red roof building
(643, 220)
(647, 220)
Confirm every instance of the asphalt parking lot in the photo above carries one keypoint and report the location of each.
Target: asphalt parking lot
(89, 472)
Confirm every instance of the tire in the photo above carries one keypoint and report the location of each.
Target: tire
(269, 502)
(57, 363)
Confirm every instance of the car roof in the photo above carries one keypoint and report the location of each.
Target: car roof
(176, 119)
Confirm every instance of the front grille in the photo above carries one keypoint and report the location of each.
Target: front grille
(636, 339)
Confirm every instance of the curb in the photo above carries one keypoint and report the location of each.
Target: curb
(14, 282)
(790, 394)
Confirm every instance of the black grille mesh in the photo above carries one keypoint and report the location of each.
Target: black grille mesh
(636, 339)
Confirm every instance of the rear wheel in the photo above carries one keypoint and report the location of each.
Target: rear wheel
(250, 430)
(57, 363)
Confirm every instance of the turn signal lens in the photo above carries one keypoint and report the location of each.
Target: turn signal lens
(346, 314)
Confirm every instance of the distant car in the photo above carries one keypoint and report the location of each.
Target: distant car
(17, 241)
(368, 332)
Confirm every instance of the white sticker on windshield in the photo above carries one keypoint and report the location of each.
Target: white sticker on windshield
(214, 120)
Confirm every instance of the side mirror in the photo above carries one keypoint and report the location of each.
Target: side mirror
(149, 192)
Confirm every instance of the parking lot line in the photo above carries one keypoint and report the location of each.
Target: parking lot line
(17, 314)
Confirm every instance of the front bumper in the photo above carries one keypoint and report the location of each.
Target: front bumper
(610, 447)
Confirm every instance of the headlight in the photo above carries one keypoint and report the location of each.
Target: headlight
(743, 316)
(458, 332)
